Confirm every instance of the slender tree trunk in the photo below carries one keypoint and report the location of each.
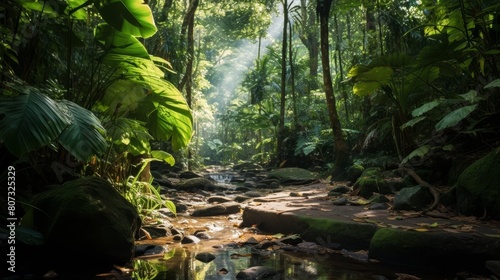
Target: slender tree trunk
(340, 67)
(309, 38)
(292, 78)
(187, 80)
(187, 27)
(340, 145)
(281, 130)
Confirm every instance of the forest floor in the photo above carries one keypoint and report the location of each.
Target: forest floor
(313, 201)
(439, 240)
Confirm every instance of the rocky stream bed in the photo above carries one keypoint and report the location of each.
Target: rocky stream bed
(247, 223)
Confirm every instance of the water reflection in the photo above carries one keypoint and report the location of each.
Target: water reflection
(230, 261)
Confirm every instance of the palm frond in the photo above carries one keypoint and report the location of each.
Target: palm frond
(84, 136)
(30, 121)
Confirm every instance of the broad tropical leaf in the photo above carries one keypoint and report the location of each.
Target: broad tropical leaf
(132, 17)
(162, 107)
(168, 115)
(494, 83)
(425, 108)
(163, 156)
(84, 136)
(116, 42)
(30, 121)
(165, 124)
(413, 122)
(454, 117)
(370, 79)
(419, 152)
(130, 133)
(123, 96)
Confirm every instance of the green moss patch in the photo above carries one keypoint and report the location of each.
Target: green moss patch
(292, 175)
(439, 250)
(477, 187)
(347, 235)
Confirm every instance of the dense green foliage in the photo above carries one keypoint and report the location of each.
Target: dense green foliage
(414, 82)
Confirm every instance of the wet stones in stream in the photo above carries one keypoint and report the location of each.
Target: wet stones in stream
(256, 272)
(217, 210)
(148, 250)
(205, 257)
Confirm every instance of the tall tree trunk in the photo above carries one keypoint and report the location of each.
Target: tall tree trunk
(340, 145)
(187, 80)
(309, 38)
(340, 67)
(281, 129)
(292, 78)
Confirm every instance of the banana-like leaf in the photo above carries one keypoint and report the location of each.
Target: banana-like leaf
(425, 108)
(123, 96)
(116, 42)
(163, 108)
(369, 80)
(419, 152)
(130, 133)
(132, 17)
(494, 83)
(30, 121)
(133, 67)
(454, 117)
(163, 156)
(165, 124)
(83, 138)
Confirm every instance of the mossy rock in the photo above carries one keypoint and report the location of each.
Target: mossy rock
(354, 172)
(412, 198)
(247, 166)
(440, 250)
(350, 236)
(477, 188)
(292, 175)
(195, 184)
(88, 219)
(372, 181)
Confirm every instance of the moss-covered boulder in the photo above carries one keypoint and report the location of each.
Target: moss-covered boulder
(87, 223)
(478, 187)
(354, 172)
(195, 184)
(440, 250)
(338, 234)
(292, 175)
(412, 198)
(372, 181)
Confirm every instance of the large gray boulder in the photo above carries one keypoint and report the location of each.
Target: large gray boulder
(86, 223)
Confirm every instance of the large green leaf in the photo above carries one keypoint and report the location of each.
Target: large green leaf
(133, 67)
(165, 124)
(494, 83)
(84, 136)
(30, 121)
(163, 109)
(166, 112)
(116, 42)
(164, 156)
(123, 96)
(370, 79)
(425, 108)
(132, 17)
(454, 117)
(129, 133)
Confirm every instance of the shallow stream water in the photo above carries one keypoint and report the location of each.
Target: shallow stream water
(227, 244)
(233, 253)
